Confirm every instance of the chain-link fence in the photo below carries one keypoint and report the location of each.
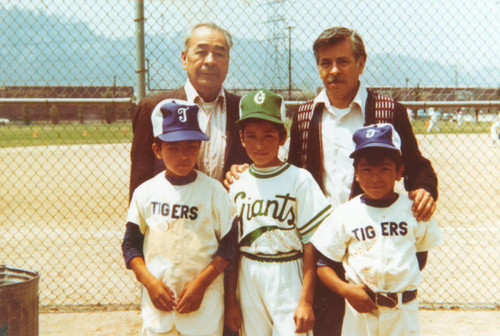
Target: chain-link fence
(64, 157)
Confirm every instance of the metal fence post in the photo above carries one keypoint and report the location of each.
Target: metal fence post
(139, 50)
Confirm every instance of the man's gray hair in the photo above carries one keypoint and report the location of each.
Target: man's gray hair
(332, 36)
(210, 25)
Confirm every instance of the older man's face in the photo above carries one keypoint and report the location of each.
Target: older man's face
(206, 61)
(340, 70)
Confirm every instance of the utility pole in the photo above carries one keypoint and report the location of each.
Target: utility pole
(277, 43)
(407, 93)
(290, 62)
(140, 71)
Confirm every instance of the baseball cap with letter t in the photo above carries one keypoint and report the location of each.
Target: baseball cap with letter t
(176, 120)
(376, 135)
(263, 104)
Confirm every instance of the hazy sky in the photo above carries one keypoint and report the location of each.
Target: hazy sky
(462, 32)
(459, 34)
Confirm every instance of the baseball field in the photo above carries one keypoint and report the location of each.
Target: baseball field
(63, 210)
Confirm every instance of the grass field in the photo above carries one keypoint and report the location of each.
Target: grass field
(45, 134)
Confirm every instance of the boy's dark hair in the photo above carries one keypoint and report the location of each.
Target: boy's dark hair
(376, 155)
(279, 127)
(158, 141)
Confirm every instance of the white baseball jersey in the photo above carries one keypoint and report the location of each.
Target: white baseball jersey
(183, 225)
(279, 209)
(377, 245)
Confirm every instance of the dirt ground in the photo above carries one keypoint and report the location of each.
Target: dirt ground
(63, 216)
(125, 323)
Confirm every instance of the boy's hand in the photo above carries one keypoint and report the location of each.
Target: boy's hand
(234, 174)
(161, 296)
(232, 317)
(190, 297)
(359, 299)
(424, 204)
(303, 318)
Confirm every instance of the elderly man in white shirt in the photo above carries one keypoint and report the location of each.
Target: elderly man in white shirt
(206, 61)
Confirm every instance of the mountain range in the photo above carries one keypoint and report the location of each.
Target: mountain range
(41, 49)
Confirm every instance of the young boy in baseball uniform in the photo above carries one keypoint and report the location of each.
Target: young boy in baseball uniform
(376, 237)
(279, 207)
(177, 238)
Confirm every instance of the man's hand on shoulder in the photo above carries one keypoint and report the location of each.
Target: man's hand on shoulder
(424, 204)
(234, 174)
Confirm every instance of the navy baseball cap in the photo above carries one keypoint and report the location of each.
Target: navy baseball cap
(176, 120)
(377, 135)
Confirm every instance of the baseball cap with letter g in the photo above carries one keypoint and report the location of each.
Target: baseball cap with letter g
(176, 120)
(263, 104)
(376, 135)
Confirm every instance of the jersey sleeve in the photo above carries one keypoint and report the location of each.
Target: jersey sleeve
(228, 245)
(312, 208)
(135, 214)
(428, 235)
(132, 244)
(330, 239)
(224, 212)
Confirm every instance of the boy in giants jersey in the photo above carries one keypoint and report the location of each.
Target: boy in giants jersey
(279, 207)
(382, 246)
(177, 239)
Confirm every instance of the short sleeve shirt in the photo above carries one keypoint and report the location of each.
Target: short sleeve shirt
(183, 225)
(278, 209)
(377, 245)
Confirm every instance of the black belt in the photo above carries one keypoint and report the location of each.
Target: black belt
(391, 299)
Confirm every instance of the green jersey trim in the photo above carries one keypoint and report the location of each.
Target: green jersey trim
(281, 257)
(252, 236)
(273, 173)
(315, 221)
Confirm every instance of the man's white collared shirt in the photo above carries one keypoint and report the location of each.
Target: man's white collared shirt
(212, 120)
(338, 126)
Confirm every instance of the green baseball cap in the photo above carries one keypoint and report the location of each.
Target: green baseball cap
(263, 104)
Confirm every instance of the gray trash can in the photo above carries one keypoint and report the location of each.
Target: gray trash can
(18, 302)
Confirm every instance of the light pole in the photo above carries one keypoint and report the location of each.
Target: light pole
(407, 93)
(139, 50)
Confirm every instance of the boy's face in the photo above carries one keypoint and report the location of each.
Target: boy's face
(262, 141)
(179, 157)
(378, 181)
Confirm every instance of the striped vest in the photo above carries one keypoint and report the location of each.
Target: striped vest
(384, 113)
